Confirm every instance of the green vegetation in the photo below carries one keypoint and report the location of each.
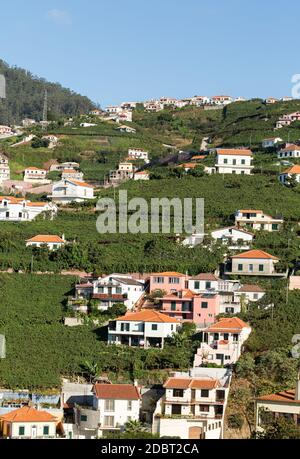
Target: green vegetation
(25, 95)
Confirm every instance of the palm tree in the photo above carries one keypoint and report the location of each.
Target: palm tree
(135, 427)
(91, 369)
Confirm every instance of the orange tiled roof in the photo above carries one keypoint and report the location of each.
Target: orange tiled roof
(285, 396)
(33, 168)
(70, 171)
(169, 273)
(116, 391)
(190, 383)
(149, 315)
(46, 238)
(255, 254)
(199, 157)
(291, 147)
(250, 211)
(250, 288)
(77, 182)
(293, 169)
(186, 293)
(28, 414)
(234, 151)
(36, 204)
(231, 324)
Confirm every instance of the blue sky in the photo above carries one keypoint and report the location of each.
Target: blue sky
(117, 50)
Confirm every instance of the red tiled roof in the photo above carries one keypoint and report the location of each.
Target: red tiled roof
(116, 391)
(28, 414)
(293, 169)
(46, 238)
(286, 396)
(149, 315)
(234, 151)
(169, 273)
(79, 183)
(190, 383)
(105, 296)
(255, 254)
(205, 277)
(251, 288)
(231, 324)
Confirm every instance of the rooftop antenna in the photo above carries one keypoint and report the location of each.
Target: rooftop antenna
(45, 109)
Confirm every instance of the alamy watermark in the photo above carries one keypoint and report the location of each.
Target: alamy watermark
(158, 215)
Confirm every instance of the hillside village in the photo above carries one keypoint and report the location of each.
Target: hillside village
(159, 336)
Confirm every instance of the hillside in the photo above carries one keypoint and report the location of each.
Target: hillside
(25, 94)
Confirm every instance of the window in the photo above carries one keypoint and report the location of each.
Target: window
(260, 268)
(255, 296)
(125, 327)
(21, 430)
(234, 162)
(119, 290)
(109, 405)
(158, 280)
(243, 161)
(274, 226)
(204, 408)
(251, 268)
(204, 304)
(204, 393)
(173, 280)
(226, 336)
(227, 357)
(207, 285)
(219, 357)
(109, 421)
(173, 306)
(83, 418)
(216, 336)
(225, 161)
(178, 392)
(7, 214)
(46, 430)
(186, 306)
(154, 327)
(240, 267)
(20, 214)
(196, 285)
(129, 405)
(229, 310)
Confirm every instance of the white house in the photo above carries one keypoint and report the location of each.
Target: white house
(62, 166)
(138, 153)
(19, 209)
(52, 241)
(128, 129)
(35, 175)
(253, 263)
(72, 174)
(128, 290)
(257, 220)
(141, 175)
(53, 140)
(86, 125)
(145, 328)
(6, 131)
(234, 237)
(4, 168)
(284, 404)
(290, 151)
(113, 406)
(200, 100)
(286, 120)
(203, 282)
(124, 116)
(249, 292)
(271, 100)
(68, 190)
(221, 100)
(293, 171)
(194, 404)
(222, 342)
(271, 142)
(28, 423)
(234, 161)
(125, 171)
(95, 112)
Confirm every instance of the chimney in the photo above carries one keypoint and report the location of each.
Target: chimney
(136, 383)
(297, 391)
(63, 237)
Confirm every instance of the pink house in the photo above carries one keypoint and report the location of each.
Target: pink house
(168, 281)
(186, 305)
